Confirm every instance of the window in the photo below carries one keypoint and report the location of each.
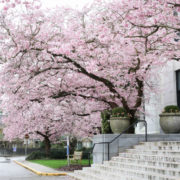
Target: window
(178, 87)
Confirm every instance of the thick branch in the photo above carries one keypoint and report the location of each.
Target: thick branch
(81, 115)
(106, 82)
(140, 93)
(136, 68)
(82, 70)
(155, 26)
(40, 133)
(36, 100)
(61, 94)
(174, 4)
(64, 94)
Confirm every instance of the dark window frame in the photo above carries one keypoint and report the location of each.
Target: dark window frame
(178, 87)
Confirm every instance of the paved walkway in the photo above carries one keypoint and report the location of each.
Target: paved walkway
(9, 170)
(39, 169)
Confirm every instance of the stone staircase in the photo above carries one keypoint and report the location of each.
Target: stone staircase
(146, 161)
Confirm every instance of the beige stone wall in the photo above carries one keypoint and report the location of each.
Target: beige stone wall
(165, 95)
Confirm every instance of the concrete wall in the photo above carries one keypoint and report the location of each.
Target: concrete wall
(100, 152)
(163, 95)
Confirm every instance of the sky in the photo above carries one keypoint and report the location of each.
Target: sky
(77, 4)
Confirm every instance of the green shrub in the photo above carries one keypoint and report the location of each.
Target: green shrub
(171, 109)
(42, 145)
(58, 153)
(54, 154)
(105, 125)
(86, 152)
(119, 112)
(36, 155)
(73, 143)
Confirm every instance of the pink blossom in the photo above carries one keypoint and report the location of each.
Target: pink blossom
(63, 67)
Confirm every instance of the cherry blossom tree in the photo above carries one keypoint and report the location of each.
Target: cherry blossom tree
(38, 109)
(36, 92)
(92, 60)
(115, 45)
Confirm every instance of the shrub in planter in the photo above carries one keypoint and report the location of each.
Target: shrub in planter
(170, 119)
(119, 112)
(171, 109)
(119, 120)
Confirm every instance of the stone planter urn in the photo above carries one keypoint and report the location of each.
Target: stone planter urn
(170, 122)
(119, 124)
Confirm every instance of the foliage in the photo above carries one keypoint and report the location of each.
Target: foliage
(73, 143)
(58, 154)
(54, 154)
(119, 112)
(42, 144)
(171, 109)
(86, 152)
(61, 72)
(58, 146)
(36, 155)
(105, 125)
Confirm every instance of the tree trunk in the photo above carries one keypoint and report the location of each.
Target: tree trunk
(132, 120)
(131, 130)
(47, 146)
(47, 142)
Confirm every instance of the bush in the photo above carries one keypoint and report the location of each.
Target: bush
(54, 154)
(58, 145)
(36, 155)
(119, 112)
(105, 125)
(171, 109)
(73, 143)
(58, 154)
(86, 152)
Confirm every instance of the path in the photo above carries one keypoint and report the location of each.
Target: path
(11, 171)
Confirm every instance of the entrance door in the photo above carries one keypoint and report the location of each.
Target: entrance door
(178, 87)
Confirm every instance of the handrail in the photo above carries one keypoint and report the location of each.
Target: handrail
(145, 123)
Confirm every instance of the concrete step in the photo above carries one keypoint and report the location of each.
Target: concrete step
(81, 176)
(117, 173)
(140, 167)
(155, 152)
(156, 147)
(146, 161)
(161, 143)
(147, 157)
(85, 175)
(164, 164)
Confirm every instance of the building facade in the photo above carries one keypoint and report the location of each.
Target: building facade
(167, 92)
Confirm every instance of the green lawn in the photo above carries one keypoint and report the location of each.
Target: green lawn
(56, 163)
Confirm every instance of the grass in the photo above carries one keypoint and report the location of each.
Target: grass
(57, 163)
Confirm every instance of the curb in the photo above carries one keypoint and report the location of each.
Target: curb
(40, 173)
